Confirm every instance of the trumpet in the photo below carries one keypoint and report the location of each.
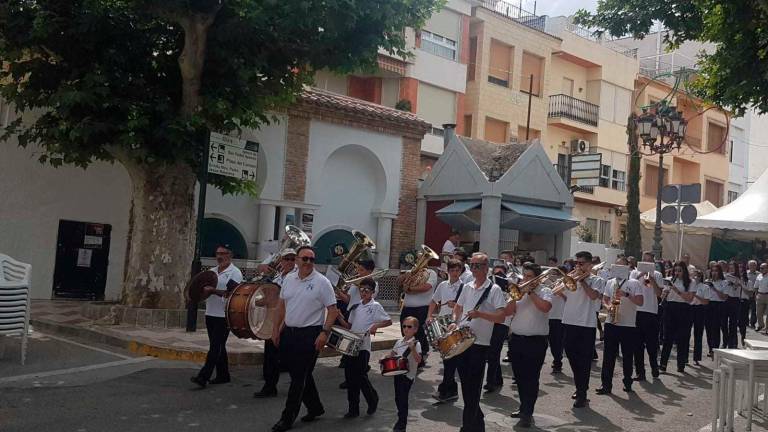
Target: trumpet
(518, 291)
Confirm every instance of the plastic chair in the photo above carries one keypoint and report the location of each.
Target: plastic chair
(14, 300)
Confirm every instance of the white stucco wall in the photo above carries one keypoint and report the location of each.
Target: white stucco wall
(35, 197)
(738, 156)
(352, 174)
(758, 146)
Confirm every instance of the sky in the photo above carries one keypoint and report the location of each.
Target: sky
(557, 7)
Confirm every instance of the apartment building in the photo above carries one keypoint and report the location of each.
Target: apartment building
(430, 84)
(574, 93)
(705, 155)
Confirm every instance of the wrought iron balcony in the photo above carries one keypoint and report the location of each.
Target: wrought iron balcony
(568, 107)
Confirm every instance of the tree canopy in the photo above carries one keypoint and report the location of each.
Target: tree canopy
(736, 74)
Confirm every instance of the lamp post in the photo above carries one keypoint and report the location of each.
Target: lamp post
(662, 129)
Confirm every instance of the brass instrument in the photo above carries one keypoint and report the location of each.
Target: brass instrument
(294, 238)
(346, 267)
(418, 275)
(518, 291)
(613, 309)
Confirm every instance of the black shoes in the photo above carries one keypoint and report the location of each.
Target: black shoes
(312, 416)
(603, 391)
(580, 403)
(516, 414)
(352, 414)
(199, 381)
(681, 369)
(640, 378)
(265, 393)
(525, 421)
(281, 426)
(372, 406)
(219, 381)
(343, 385)
(574, 395)
(655, 373)
(491, 388)
(447, 397)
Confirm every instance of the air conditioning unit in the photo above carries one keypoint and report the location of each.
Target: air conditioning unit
(579, 146)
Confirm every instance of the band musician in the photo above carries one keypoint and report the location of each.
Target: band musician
(305, 314)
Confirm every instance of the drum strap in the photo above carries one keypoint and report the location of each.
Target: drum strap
(458, 293)
(482, 299)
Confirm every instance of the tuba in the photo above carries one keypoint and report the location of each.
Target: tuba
(294, 238)
(418, 275)
(347, 270)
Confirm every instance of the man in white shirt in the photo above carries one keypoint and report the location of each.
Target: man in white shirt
(556, 331)
(752, 273)
(416, 304)
(466, 276)
(305, 314)
(442, 303)
(647, 319)
(580, 322)
(271, 366)
(529, 329)
(215, 319)
(451, 244)
(621, 333)
(479, 306)
(761, 283)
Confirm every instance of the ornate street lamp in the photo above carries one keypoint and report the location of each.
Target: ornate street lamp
(662, 129)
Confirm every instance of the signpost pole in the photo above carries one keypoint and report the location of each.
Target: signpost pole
(197, 265)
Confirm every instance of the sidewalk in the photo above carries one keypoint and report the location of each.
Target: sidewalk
(64, 318)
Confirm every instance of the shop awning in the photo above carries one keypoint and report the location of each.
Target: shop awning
(536, 219)
(456, 216)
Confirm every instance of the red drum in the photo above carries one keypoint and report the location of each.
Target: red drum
(391, 366)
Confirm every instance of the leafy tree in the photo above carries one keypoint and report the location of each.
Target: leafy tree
(633, 244)
(736, 74)
(140, 82)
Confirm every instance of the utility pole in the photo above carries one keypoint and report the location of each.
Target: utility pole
(528, 122)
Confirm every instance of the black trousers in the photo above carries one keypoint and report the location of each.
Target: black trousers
(527, 356)
(556, 335)
(732, 317)
(677, 325)
(647, 340)
(297, 352)
(356, 374)
(699, 322)
(579, 346)
(402, 390)
(271, 366)
(420, 313)
(218, 332)
(716, 323)
(660, 318)
(618, 337)
(744, 305)
(753, 311)
(471, 365)
(448, 386)
(493, 375)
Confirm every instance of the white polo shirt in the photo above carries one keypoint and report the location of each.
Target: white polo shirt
(558, 304)
(650, 300)
(468, 299)
(448, 247)
(674, 297)
(399, 349)
(467, 276)
(712, 294)
(761, 282)
(751, 280)
(446, 292)
(363, 317)
(528, 319)
(306, 299)
(579, 309)
(732, 288)
(214, 304)
(627, 309)
(423, 298)
(281, 277)
(703, 291)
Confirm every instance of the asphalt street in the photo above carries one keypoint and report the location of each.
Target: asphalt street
(72, 386)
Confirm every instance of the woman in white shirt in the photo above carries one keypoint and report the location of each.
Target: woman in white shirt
(677, 317)
(699, 308)
(717, 318)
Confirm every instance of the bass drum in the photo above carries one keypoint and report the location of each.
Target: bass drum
(251, 310)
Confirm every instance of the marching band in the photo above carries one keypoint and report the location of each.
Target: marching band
(466, 320)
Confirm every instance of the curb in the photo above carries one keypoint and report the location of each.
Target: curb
(146, 348)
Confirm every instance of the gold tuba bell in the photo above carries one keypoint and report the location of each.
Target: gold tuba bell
(294, 239)
(347, 269)
(418, 275)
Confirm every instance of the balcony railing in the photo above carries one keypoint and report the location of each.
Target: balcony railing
(516, 13)
(569, 107)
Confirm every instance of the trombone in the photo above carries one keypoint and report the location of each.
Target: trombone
(517, 292)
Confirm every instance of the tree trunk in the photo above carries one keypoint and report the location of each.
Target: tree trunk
(162, 239)
(633, 245)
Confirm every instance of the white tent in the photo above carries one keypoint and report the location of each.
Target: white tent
(749, 212)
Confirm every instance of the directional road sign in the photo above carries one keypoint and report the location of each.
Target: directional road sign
(233, 157)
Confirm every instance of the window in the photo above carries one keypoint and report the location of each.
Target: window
(714, 192)
(592, 227)
(496, 130)
(436, 131)
(501, 56)
(716, 138)
(438, 45)
(605, 176)
(604, 236)
(532, 65)
(472, 59)
(652, 179)
(732, 195)
(563, 168)
(618, 181)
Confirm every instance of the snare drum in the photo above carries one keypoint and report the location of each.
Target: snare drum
(455, 342)
(437, 328)
(391, 366)
(344, 341)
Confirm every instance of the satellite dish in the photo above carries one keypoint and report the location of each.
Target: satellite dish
(688, 214)
(669, 215)
(670, 194)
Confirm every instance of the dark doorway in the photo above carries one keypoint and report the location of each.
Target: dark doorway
(217, 231)
(82, 257)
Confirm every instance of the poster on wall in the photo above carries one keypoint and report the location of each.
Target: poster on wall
(306, 222)
(84, 257)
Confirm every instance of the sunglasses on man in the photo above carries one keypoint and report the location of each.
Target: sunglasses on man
(308, 259)
(477, 266)
(407, 326)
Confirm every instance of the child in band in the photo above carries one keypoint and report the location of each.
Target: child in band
(443, 301)
(408, 347)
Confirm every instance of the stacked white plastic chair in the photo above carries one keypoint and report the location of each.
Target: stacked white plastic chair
(14, 300)
(736, 375)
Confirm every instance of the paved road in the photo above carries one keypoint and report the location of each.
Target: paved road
(79, 387)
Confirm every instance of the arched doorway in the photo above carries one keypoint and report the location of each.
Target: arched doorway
(325, 243)
(217, 231)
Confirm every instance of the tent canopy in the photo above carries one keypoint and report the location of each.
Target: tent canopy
(749, 212)
(648, 218)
